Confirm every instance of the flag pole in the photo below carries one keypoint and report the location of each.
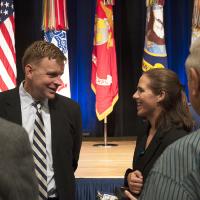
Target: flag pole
(105, 144)
(104, 81)
(105, 131)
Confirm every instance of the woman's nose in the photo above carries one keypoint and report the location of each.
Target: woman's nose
(135, 95)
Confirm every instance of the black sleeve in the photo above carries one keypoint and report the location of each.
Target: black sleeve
(77, 140)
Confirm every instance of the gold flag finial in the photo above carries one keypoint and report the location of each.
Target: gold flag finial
(153, 2)
(109, 2)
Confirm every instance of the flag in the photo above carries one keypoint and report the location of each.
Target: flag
(55, 26)
(104, 80)
(155, 55)
(196, 20)
(8, 71)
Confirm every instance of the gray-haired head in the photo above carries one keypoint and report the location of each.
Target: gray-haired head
(193, 59)
(193, 73)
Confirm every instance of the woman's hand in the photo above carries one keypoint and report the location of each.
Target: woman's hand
(135, 181)
(129, 195)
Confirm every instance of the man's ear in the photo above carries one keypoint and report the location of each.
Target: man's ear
(194, 81)
(28, 69)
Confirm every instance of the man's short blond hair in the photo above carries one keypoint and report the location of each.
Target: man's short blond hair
(42, 49)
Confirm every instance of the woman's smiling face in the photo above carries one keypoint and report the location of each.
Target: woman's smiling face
(147, 101)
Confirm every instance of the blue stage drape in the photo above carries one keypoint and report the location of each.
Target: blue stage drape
(129, 21)
(178, 22)
(178, 17)
(80, 41)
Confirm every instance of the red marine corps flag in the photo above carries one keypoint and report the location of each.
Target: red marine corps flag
(104, 81)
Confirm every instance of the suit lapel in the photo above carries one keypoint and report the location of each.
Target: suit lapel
(13, 108)
(60, 126)
(56, 123)
(151, 150)
(53, 115)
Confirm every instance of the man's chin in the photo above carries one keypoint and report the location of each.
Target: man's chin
(51, 95)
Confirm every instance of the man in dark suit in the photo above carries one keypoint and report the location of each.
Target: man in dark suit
(17, 175)
(43, 65)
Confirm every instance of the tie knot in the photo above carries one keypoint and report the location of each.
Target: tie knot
(37, 105)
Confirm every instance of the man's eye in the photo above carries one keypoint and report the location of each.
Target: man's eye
(52, 75)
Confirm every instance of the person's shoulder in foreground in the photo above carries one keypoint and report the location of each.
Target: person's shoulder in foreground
(18, 180)
(176, 175)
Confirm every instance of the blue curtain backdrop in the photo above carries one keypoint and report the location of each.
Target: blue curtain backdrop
(178, 22)
(80, 41)
(129, 21)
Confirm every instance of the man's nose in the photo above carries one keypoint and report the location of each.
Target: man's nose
(58, 81)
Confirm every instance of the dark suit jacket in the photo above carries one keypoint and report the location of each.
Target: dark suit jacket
(144, 160)
(66, 136)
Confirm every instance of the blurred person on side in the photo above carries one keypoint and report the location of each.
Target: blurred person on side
(17, 173)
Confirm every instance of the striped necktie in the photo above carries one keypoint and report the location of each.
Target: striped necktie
(39, 152)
